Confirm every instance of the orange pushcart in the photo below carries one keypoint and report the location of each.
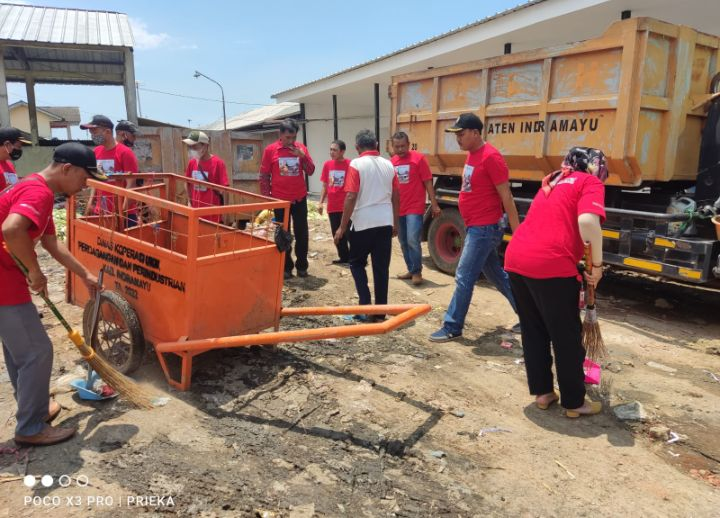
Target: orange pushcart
(188, 280)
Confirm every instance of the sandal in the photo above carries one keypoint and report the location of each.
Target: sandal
(593, 407)
(545, 406)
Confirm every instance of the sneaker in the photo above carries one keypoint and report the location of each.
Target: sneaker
(302, 273)
(443, 335)
(516, 329)
(288, 275)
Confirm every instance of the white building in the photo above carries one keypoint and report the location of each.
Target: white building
(535, 24)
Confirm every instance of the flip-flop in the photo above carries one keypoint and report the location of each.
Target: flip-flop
(53, 411)
(547, 405)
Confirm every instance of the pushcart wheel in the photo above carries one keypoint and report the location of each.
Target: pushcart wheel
(119, 338)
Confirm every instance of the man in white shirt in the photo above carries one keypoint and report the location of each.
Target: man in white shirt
(373, 205)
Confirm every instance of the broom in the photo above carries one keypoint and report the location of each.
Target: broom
(122, 384)
(592, 338)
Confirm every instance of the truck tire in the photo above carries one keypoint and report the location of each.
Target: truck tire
(118, 336)
(445, 240)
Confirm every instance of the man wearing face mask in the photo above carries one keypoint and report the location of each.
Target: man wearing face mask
(11, 142)
(126, 132)
(112, 159)
(205, 167)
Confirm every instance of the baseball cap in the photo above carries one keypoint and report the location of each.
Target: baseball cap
(98, 121)
(127, 126)
(196, 137)
(12, 135)
(466, 121)
(76, 154)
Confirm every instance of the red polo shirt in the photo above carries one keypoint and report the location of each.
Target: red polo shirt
(213, 171)
(333, 175)
(8, 176)
(412, 172)
(548, 244)
(288, 185)
(118, 160)
(33, 199)
(479, 201)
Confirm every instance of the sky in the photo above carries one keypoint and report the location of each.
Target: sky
(253, 48)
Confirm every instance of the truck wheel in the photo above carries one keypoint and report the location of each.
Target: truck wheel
(118, 337)
(445, 240)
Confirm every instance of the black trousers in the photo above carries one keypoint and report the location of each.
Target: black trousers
(549, 313)
(377, 243)
(343, 248)
(298, 222)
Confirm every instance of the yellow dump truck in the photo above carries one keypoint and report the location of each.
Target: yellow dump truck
(642, 92)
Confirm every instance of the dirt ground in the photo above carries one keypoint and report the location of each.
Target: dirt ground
(394, 425)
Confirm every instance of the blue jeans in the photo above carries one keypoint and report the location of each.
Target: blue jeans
(479, 254)
(410, 236)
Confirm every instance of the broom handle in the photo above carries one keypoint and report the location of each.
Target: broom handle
(588, 268)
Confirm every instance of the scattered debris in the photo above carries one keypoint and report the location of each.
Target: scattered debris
(566, 470)
(519, 361)
(661, 367)
(493, 429)
(630, 412)
(438, 454)
(713, 376)
(673, 453)
(160, 401)
(659, 432)
(675, 437)
(457, 413)
(506, 345)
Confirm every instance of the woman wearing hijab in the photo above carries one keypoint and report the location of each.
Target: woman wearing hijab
(541, 260)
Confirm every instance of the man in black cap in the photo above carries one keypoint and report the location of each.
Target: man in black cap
(484, 197)
(112, 159)
(11, 143)
(126, 132)
(25, 217)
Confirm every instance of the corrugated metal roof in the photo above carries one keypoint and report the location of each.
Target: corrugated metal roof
(271, 112)
(67, 113)
(418, 44)
(70, 26)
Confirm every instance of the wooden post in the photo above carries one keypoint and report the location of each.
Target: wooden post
(4, 105)
(69, 133)
(32, 108)
(129, 87)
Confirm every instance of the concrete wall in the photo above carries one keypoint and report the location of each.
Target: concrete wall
(351, 119)
(20, 118)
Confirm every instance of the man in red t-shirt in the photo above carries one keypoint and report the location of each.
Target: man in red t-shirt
(415, 179)
(11, 143)
(205, 167)
(282, 175)
(333, 188)
(113, 159)
(25, 218)
(484, 196)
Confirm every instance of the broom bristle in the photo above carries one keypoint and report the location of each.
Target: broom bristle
(122, 384)
(593, 341)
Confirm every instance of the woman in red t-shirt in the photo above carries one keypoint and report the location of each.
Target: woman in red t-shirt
(541, 260)
(333, 188)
